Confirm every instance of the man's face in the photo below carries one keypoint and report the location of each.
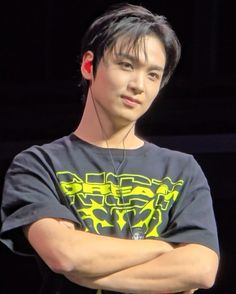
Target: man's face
(127, 83)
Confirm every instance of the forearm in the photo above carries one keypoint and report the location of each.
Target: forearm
(106, 255)
(182, 269)
(66, 250)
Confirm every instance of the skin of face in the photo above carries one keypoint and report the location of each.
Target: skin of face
(126, 83)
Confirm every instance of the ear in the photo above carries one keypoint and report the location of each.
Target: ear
(87, 65)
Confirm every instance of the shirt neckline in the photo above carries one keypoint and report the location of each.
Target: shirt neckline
(99, 149)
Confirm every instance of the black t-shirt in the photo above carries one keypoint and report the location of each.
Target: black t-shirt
(153, 191)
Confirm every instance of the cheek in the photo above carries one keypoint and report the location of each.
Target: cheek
(152, 90)
(101, 83)
(116, 80)
(109, 80)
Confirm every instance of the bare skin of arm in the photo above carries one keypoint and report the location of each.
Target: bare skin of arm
(143, 266)
(187, 267)
(67, 250)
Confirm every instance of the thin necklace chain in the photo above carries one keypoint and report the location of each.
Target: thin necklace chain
(136, 236)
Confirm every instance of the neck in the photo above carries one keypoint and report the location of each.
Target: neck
(103, 132)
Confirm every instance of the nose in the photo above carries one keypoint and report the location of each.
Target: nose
(136, 83)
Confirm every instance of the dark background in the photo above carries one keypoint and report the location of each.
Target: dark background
(195, 113)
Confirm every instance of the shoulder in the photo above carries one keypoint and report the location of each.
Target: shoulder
(45, 152)
(51, 147)
(172, 160)
(168, 154)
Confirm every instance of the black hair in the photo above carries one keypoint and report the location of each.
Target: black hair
(134, 23)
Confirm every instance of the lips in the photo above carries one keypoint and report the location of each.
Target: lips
(130, 101)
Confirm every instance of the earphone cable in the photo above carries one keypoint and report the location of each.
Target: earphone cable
(116, 170)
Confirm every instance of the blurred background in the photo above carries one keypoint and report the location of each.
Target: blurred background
(195, 113)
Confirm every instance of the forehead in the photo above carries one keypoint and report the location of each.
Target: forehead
(140, 48)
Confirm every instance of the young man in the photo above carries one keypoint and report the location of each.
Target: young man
(102, 208)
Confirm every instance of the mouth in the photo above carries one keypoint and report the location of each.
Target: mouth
(130, 101)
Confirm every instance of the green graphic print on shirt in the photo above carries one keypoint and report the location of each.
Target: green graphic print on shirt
(103, 200)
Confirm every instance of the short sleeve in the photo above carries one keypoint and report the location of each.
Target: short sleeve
(30, 193)
(192, 219)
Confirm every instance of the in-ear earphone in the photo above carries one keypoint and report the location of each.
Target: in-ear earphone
(87, 66)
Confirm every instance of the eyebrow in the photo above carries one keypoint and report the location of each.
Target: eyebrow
(136, 60)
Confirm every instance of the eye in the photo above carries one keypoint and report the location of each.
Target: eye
(154, 76)
(126, 65)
